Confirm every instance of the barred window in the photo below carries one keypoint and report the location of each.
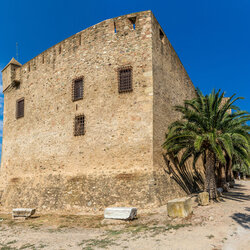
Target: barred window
(77, 90)
(125, 79)
(79, 125)
(20, 108)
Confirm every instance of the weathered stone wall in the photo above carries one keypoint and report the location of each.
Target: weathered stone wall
(40, 151)
(86, 193)
(119, 159)
(172, 86)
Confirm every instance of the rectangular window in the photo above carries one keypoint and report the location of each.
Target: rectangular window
(20, 108)
(125, 79)
(79, 125)
(77, 91)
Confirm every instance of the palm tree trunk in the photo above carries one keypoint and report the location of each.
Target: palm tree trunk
(223, 181)
(228, 169)
(210, 182)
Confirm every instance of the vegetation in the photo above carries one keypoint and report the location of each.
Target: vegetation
(211, 131)
(242, 168)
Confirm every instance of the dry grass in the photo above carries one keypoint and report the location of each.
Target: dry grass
(55, 221)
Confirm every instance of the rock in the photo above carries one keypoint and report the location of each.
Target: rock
(203, 198)
(181, 207)
(22, 213)
(120, 213)
(211, 218)
(219, 191)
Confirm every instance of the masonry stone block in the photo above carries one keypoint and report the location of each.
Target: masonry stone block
(120, 213)
(203, 198)
(181, 207)
(24, 213)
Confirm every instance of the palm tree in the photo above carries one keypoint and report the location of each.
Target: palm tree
(209, 130)
(241, 165)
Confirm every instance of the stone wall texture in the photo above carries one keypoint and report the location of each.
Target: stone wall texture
(118, 161)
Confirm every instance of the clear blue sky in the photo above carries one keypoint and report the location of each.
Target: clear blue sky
(211, 37)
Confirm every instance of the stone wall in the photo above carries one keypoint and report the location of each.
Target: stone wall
(119, 159)
(172, 86)
(118, 139)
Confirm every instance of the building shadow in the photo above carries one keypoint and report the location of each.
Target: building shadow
(242, 219)
(188, 178)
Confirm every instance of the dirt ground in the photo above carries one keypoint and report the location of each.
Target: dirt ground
(222, 225)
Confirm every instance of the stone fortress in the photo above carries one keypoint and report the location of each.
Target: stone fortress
(84, 121)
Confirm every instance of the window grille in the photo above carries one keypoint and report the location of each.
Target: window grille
(125, 79)
(79, 125)
(77, 91)
(20, 108)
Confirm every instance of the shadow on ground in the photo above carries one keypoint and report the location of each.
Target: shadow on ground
(237, 194)
(242, 218)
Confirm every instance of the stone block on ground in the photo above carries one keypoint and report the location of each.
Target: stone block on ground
(219, 191)
(22, 213)
(120, 213)
(180, 207)
(203, 198)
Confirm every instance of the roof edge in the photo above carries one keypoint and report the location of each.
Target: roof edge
(12, 61)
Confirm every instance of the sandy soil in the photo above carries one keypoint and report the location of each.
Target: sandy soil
(222, 225)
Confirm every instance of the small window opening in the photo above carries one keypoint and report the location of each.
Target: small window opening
(77, 91)
(43, 59)
(161, 35)
(125, 79)
(80, 39)
(79, 125)
(60, 49)
(20, 108)
(133, 21)
(16, 84)
(29, 68)
(114, 27)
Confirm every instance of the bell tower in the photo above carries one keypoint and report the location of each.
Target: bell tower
(11, 74)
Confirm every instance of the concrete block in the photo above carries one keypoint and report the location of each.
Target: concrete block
(22, 213)
(181, 207)
(120, 213)
(203, 198)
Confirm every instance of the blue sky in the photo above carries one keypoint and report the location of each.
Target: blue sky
(212, 38)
